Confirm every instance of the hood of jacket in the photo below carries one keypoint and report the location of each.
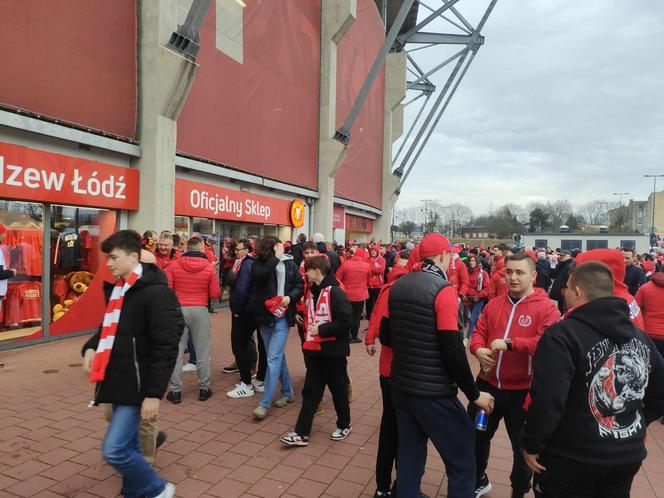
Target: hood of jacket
(613, 258)
(193, 261)
(608, 316)
(395, 273)
(658, 279)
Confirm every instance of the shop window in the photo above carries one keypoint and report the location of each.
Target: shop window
(252, 230)
(21, 250)
(181, 225)
(270, 230)
(75, 254)
(203, 226)
(232, 230)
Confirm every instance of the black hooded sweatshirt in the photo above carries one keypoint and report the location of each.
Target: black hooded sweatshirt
(598, 382)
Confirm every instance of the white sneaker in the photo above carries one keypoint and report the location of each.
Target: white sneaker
(241, 391)
(168, 492)
(340, 434)
(258, 385)
(189, 367)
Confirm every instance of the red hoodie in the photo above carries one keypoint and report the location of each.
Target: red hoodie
(354, 274)
(524, 323)
(194, 279)
(479, 284)
(613, 258)
(498, 264)
(163, 260)
(497, 286)
(457, 275)
(377, 279)
(650, 299)
(381, 311)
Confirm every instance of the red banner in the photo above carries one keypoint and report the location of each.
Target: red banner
(39, 176)
(358, 224)
(338, 214)
(209, 201)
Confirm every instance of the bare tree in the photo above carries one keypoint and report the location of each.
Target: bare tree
(432, 211)
(559, 211)
(455, 216)
(594, 212)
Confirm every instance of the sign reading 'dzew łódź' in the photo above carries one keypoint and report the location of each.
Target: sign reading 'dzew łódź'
(39, 176)
(210, 201)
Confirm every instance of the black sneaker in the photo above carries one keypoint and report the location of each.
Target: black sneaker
(161, 438)
(483, 486)
(382, 494)
(355, 340)
(204, 394)
(174, 397)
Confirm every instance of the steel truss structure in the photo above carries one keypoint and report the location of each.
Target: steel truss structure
(405, 33)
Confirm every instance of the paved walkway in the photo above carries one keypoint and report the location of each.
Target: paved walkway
(50, 439)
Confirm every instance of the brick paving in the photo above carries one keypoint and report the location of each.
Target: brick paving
(50, 440)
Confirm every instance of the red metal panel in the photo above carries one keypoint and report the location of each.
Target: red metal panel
(72, 60)
(361, 175)
(260, 116)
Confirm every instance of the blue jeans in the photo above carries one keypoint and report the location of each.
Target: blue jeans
(475, 311)
(275, 339)
(446, 423)
(122, 450)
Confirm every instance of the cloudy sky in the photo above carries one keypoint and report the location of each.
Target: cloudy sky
(565, 100)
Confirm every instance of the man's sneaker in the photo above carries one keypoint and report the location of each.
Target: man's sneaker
(241, 390)
(161, 438)
(483, 486)
(168, 492)
(294, 439)
(232, 368)
(174, 397)
(340, 434)
(189, 367)
(259, 385)
(283, 401)
(260, 413)
(382, 494)
(204, 394)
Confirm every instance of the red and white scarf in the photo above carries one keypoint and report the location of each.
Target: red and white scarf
(317, 315)
(237, 263)
(110, 325)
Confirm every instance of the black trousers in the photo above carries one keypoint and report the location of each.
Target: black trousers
(569, 479)
(244, 347)
(371, 302)
(358, 306)
(321, 372)
(508, 406)
(388, 441)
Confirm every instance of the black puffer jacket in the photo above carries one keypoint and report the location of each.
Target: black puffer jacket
(264, 287)
(146, 341)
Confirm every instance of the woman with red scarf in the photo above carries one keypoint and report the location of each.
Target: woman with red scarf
(478, 290)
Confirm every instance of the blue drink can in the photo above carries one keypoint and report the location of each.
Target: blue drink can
(481, 420)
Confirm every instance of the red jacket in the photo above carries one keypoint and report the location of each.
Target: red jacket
(163, 260)
(479, 284)
(194, 279)
(457, 275)
(524, 323)
(497, 285)
(613, 258)
(379, 312)
(650, 299)
(354, 274)
(498, 264)
(377, 278)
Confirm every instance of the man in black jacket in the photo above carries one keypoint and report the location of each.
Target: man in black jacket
(598, 383)
(560, 276)
(635, 277)
(328, 321)
(429, 363)
(137, 352)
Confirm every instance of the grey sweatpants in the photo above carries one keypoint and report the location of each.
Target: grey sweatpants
(196, 323)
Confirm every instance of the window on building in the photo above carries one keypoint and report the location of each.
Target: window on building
(628, 244)
(570, 244)
(203, 226)
(541, 243)
(597, 244)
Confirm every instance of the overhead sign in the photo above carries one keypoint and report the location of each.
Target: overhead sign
(338, 215)
(358, 224)
(210, 201)
(39, 176)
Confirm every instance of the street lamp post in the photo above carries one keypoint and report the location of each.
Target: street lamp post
(620, 213)
(654, 197)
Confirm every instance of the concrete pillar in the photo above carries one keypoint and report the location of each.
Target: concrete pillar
(336, 18)
(165, 78)
(395, 93)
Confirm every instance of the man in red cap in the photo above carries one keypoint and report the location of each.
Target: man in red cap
(429, 366)
(4, 274)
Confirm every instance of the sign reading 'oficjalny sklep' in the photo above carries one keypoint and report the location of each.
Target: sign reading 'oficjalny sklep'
(209, 201)
(40, 176)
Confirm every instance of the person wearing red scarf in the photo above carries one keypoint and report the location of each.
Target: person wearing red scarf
(376, 279)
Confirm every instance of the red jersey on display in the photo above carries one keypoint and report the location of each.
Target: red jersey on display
(24, 303)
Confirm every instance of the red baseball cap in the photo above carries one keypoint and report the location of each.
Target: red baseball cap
(434, 243)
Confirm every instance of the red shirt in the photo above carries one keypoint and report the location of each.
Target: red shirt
(457, 275)
(497, 286)
(524, 323)
(478, 287)
(194, 280)
(354, 274)
(650, 299)
(377, 278)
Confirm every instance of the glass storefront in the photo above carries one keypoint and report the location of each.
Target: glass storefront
(22, 250)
